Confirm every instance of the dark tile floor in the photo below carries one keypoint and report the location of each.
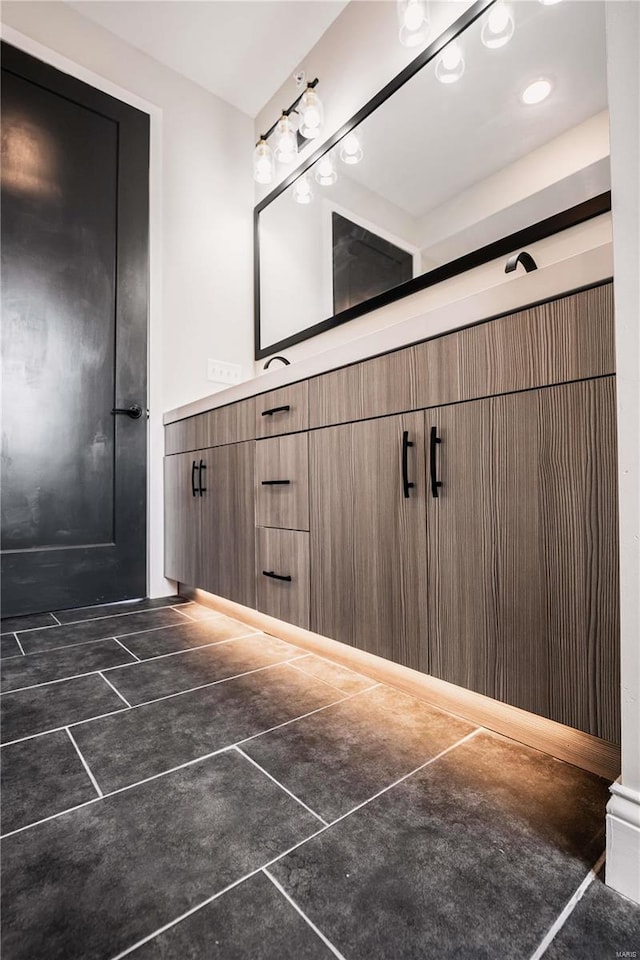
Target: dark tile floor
(179, 786)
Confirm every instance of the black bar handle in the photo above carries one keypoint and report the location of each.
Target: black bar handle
(275, 576)
(202, 466)
(194, 467)
(273, 483)
(435, 483)
(269, 413)
(406, 443)
(134, 411)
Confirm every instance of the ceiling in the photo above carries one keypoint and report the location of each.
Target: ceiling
(240, 50)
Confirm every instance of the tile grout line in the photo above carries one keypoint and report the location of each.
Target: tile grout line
(56, 619)
(118, 666)
(85, 764)
(106, 616)
(19, 644)
(281, 785)
(569, 907)
(79, 643)
(180, 766)
(115, 690)
(126, 650)
(321, 679)
(315, 929)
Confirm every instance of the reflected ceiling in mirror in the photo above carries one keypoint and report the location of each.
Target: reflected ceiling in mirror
(480, 143)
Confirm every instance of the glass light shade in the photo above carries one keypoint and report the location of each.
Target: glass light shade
(286, 142)
(311, 114)
(536, 92)
(450, 63)
(302, 192)
(326, 174)
(413, 22)
(498, 27)
(263, 165)
(350, 149)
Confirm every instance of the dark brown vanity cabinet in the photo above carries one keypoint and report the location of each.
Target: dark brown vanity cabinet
(523, 553)
(209, 520)
(368, 536)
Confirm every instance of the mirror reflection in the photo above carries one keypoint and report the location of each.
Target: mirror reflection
(457, 158)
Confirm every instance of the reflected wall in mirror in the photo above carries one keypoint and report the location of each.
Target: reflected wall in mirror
(481, 142)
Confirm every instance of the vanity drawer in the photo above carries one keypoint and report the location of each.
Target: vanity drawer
(282, 573)
(231, 424)
(282, 482)
(283, 411)
(183, 435)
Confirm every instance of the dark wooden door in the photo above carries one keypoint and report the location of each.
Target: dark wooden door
(368, 541)
(227, 525)
(523, 552)
(74, 298)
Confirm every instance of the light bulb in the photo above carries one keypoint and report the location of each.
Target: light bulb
(450, 64)
(350, 149)
(263, 162)
(302, 192)
(536, 92)
(413, 20)
(499, 27)
(325, 171)
(286, 149)
(311, 114)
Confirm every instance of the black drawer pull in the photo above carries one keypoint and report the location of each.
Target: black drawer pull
(273, 483)
(202, 467)
(194, 467)
(406, 485)
(435, 483)
(268, 413)
(275, 576)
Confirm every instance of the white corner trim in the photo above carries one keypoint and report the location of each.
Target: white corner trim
(623, 841)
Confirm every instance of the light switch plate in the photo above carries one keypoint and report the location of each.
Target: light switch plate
(219, 371)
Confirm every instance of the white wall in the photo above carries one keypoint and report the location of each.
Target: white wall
(623, 43)
(201, 200)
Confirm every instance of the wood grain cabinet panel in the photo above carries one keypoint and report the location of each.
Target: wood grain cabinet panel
(181, 518)
(183, 435)
(556, 342)
(368, 541)
(282, 482)
(523, 554)
(282, 554)
(233, 423)
(282, 411)
(228, 524)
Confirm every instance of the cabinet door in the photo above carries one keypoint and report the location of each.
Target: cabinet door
(227, 526)
(522, 551)
(368, 541)
(182, 518)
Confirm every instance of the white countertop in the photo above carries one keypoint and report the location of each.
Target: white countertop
(511, 294)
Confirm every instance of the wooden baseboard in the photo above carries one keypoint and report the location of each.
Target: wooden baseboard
(565, 743)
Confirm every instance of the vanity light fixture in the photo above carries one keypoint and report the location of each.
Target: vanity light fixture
(302, 192)
(300, 122)
(263, 165)
(286, 141)
(351, 149)
(499, 26)
(549, 3)
(413, 19)
(536, 92)
(326, 174)
(450, 63)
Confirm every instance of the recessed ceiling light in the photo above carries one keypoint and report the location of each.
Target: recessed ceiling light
(536, 92)
(549, 3)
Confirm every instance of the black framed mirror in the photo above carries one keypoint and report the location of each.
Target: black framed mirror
(476, 149)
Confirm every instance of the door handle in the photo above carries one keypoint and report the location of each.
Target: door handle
(275, 576)
(194, 467)
(435, 483)
(202, 466)
(134, 411)
(406, 443)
